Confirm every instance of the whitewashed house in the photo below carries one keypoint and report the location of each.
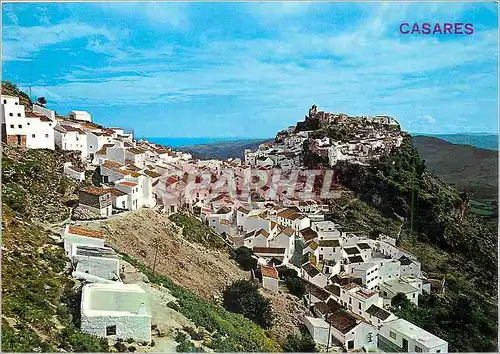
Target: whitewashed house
(25, 129)
(284, 237)
(352, 331)
(318, 328)
(80, 115)
(119, 199)
(71, 138)
(116, 310)
(389, 289)
(101, 262)
(75, 172)
(270, 278)
(132, 190)
(96, 199)
(403, 336)
(313, 275)
(74, 235)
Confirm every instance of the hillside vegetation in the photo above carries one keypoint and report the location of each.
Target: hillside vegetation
(445, 234)
(36, 290)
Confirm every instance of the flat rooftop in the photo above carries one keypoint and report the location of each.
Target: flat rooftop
(398, 286)
(421, 336)
(116, 299)
(101, 252)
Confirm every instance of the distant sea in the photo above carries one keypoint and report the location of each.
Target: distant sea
(480, 140)
(189, 141)
(485, 141)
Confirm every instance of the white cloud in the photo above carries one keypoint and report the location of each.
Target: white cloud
(19, 43)
(429, 118)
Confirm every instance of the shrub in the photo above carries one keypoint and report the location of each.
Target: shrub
(132, 349)
(186, 347)
(243, 297)
(122, 348)
(295, 286)
(243, 256)
(300, 342)
(174, 306)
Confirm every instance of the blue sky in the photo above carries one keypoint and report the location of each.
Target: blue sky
(252, 69)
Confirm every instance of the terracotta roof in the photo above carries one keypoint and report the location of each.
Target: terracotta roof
(117, 192)
(243, 210)
(263, 233)
(70, 128)
(42, 117)
(308, 234)
(133, 167)
(310, 270)
(152, 174)
(288, 231)
(76, 168)
(101, 134)
(366, 293)
(136, 151)
(343, 321)
(333, 288)
(112, 164)
(269, 250)
(85, 232)
(378, 312)
(269, 272)
(329, 243)
(223, 210)
(312, 245)
(128, 184)
(317, 292)
(103, 149)
(289, 214)
(95, 190)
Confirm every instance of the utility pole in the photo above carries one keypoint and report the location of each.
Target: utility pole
(329, 328)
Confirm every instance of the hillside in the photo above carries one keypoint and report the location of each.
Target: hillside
(37, 311)
(223, 150)
(466, 167)
(483, 141)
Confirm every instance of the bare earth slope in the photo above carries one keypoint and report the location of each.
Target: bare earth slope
(203, 271)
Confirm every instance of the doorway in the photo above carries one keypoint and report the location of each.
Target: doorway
(111, 330)
(405, 345)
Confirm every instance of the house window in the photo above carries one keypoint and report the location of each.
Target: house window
(359, 306)
(350, 300)
(418, 349)
(20, 126)
(46, 135)
(392, 335)
(12, 126)
(350, 344)
(111, 330)
(19, 114)
(28, 123)
(32, 135)
(438, 351)
(11, 114)
(413, 295)
(5, 101)
(50, 124)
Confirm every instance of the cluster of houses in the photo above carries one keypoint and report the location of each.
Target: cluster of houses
(108, 308)
(369, 138)
(350, 279)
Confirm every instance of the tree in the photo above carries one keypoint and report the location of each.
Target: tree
(300, 342)
(295, 286)
(400, 301)
(243, 256)
(243, 297)
(41, 100)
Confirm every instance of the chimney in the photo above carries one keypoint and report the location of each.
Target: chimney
(143, 310)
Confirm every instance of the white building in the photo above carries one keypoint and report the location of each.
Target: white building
(270, 278)
(80, 115)
(81, 236)
(409, 338)
(318, 328)
(67, 137)
(389, 289)
(352, 331)
(116, 310)
(25, 129)
(101, 262)
(75, 172)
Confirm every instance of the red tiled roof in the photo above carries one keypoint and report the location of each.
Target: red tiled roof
(95, 190)
(84, 232)
(269, 272)
(128, 184)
